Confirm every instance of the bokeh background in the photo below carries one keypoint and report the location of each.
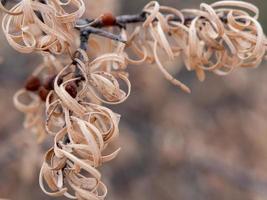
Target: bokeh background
(210, 145)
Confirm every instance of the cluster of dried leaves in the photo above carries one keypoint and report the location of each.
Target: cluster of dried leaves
(64, 95)
(220, 38)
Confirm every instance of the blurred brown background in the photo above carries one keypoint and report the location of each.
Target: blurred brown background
(210, 145)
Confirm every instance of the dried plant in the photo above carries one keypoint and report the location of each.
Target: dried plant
(66, 94)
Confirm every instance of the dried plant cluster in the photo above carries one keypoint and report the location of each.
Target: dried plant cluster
(84, 68)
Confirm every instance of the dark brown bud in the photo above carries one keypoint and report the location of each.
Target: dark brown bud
(32, 83)
(43, 93)
(49, 82)
(108, 19)
(71, 88)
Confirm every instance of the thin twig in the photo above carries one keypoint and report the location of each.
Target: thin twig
(84, 36)
(94, 26)
(101, 32)
(123, 20)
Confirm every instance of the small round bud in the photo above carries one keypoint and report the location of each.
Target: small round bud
(32, 83)
(49, 82)
(43, 93)
(108, 19)
(71, 88)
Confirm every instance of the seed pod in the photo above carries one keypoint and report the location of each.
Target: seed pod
(71, 88)
(49, 82)
(108, 19)
(43, 92)
(32, 83)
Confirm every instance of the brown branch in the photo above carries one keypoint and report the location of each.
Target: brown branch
(103, 33)
(95, 26)
(123, 20)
